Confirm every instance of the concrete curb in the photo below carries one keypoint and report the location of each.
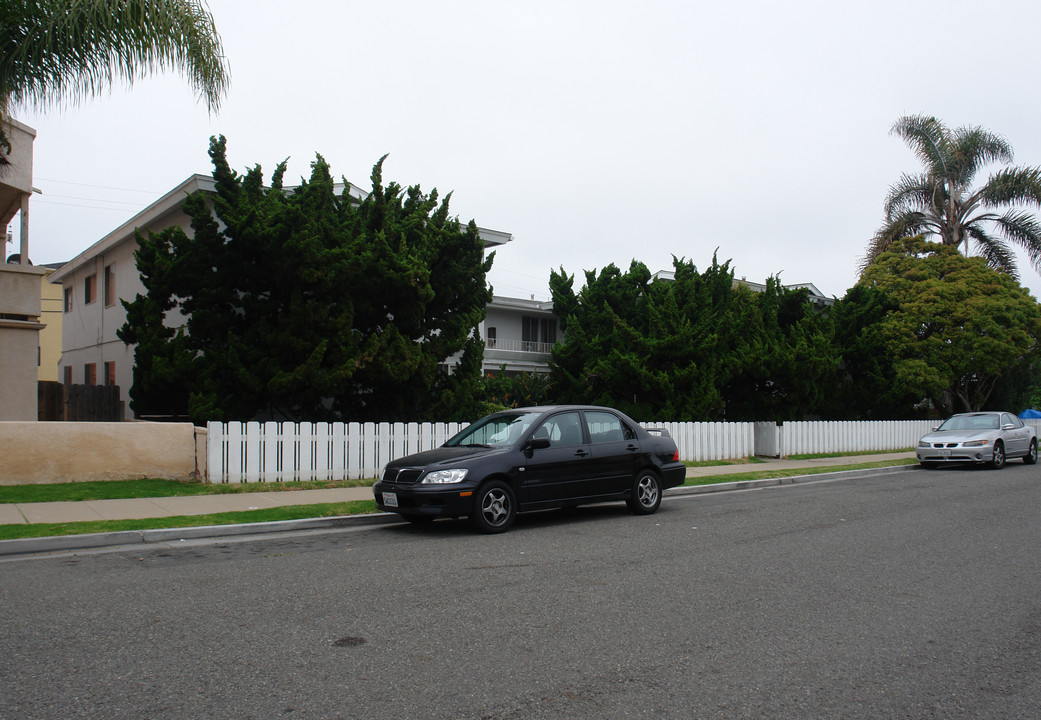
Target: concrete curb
(67, 543)
(791, 480)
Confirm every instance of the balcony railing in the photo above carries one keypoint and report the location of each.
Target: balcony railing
(528, 346)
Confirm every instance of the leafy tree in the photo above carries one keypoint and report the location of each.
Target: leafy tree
(305, 303)
(53, 50)
(961, 333)
(864, 386)
(524, 389)
(783, 372)
(941, 200)
(694, 347)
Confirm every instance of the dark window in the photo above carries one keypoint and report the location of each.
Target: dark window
(110, 286)
(90, 289)
(90, 374)
(538, 330)
(68, 299)
(606, 427)
(491, 337)
(563, 430)
(110, 373)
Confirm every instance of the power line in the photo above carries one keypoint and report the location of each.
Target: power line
(103, 187)
(88, 207)
(100, 200)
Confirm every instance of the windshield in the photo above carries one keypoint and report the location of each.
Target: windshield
(497, 430)
(971, 422)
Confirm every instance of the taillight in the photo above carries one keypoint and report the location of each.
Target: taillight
(676, 456)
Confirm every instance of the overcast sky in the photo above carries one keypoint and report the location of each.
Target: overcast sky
(594, 132)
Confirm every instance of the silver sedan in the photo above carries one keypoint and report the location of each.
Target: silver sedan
(980, 437)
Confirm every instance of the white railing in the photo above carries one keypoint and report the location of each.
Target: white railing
(529, 346)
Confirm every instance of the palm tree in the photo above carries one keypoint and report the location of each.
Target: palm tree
(942, 202)
(54, 50)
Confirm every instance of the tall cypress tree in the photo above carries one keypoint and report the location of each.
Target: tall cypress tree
(691, 348)
(305, 303)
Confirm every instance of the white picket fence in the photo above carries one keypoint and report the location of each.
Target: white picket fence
(805, 438)
(276, 452)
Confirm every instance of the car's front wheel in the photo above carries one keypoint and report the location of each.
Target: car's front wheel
(495, 508)
(1031, 457)
(998, 461)
(646, 493)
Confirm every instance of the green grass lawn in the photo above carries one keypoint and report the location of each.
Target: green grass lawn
(290, 512)
(151, 488)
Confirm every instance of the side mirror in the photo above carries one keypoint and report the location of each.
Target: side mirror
(540, 443)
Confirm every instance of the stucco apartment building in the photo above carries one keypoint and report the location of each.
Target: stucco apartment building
(518, 332)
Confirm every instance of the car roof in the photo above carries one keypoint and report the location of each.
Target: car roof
(554, 408)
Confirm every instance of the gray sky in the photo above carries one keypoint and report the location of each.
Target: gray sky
(594, 132)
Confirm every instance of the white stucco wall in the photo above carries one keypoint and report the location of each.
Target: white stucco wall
(89, 329)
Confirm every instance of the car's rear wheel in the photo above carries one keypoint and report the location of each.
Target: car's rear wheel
(495, 508)
(998, 461)
(646, 493)
(1031, 457)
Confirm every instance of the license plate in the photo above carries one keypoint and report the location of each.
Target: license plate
(943, 453)
(390, 499)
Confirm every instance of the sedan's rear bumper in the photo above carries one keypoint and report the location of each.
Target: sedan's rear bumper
(673, 474)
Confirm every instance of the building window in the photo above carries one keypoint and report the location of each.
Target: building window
(67, 371)
(110, 286)
(535, 330)
(90, 289)
(68, 299)
(491, 337)
(90, 374)
(110, 373)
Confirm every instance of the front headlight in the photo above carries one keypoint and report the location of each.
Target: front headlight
(924, 443)
(444, 477)
(974, 443)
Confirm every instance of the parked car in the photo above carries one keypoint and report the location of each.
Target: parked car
(532, 459)
(980, 437)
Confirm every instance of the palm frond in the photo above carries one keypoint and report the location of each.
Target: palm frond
(1023, 229)
(972, 147)
(1013, 185)
(994, 250)
(71, 49)
(927, 138)
(911, 192)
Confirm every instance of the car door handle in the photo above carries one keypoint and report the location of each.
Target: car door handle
(632, 448)
(580, 453)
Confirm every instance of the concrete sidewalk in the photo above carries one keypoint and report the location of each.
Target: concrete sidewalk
(142, 508)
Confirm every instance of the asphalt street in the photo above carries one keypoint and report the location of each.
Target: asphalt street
(912, 594)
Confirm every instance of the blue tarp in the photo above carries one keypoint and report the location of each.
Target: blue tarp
(1031, 414)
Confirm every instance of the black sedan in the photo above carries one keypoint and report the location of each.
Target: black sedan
(533, 459)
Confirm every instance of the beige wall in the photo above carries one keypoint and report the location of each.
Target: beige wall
(51, 299)
(42, 452)
(19, 341)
